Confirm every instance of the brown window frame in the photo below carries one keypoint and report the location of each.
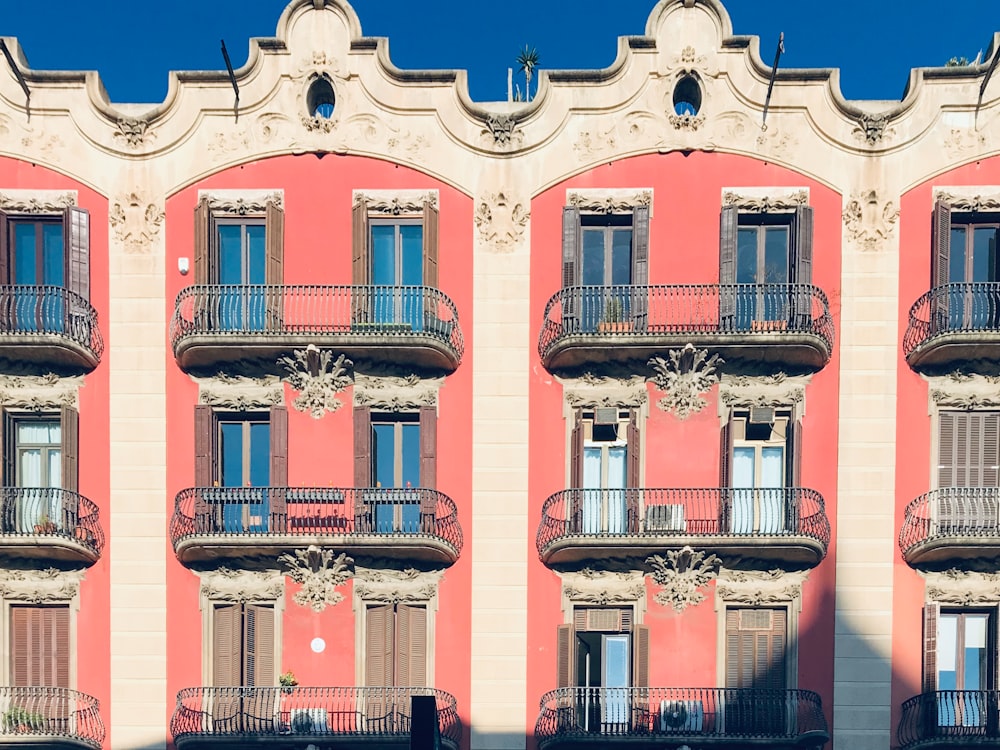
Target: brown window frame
(387, 626)
(244, 637)
(75, 222)
(69, 423)
(55, 617)
(206, 239)
(362, 219)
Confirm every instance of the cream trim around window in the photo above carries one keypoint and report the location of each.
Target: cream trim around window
(5, 651)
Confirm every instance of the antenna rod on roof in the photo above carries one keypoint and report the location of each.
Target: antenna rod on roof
(232, 79)
(986, 80)
(19, 76)
(774, 72)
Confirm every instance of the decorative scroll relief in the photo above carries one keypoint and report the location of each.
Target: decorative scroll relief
(37, 201)
(681, 574)
(39, 392)
(684, 376)
(609, 201)
(973, 199)
(395, 202)
(40, 586)
(388, 586)
(136, 220)
(396, 394)
(959, 390)
(872, 128)
(964, 587)
(591, 391)
(766, 199)
(133, 132)
(501, 222)
(502, 132)
(777, 389)
(228, 585)
(603, 587)
(959, 141)
(760, 587)
(868, 220)
(318, 571)
(242, 202)
(240, 393)
(318, 378)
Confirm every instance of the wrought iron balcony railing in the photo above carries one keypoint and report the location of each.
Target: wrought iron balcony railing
(708, 313)
(950, 718)
(371, 713)
(950, 313)
(49, 716)
(339, 315)
(951, 516)
(258, 514)
(724, 513)
(28, 311)
(716, 715)
(50, 513)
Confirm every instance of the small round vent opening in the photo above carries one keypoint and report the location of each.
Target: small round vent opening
(320, 99)
(687, 96)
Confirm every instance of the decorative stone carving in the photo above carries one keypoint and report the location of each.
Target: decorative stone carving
(603, 587)
(777, 389)
(686, 122)
(396, 394)
(242, 138)
(872, 128)
(963, 587)
(959, 141)
(681, 574)
(36, 201)
(609, 201)
(759, 202)
(40, 586)
(133, 131)
(388, 586)
(591, 391)
(136, 221)
(502, 128)
(228, 585)
(396, 202)
(317, 124)
(760, 587)
(683, 377)
(39, 392)
(590, 143)
(319, 573)
(868, 221)
(242, 203)
(239, 393)
(965, 391)
(501, 222)
(318, 378)
(969, 201)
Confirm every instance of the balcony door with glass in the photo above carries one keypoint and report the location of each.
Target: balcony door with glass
(244, 462)
(968, 473)
(395, 461)
(756, 671)
(761, 264)
(397, 273)
(966, 663)
(972, 275)
(605, 465)
(38, 448)
(38, 269)
(760, 467)
(242, 274)
(606, 272)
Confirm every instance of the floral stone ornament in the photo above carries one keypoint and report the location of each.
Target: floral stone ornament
(683, 377)
(319, 573)
(318, 378)
(681, 574)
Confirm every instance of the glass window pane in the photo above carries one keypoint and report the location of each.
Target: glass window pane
(411, 455)
(616, 467)
(743, 466)
(25, 260)
(30, 468)
(776, 255)
(38, 433)
(383, 254)
(984, 254)
(592, 271)
(616, 659)
(260, 454)
(52, 254)
(257, 251)
(621, 256)
(947, 644)
(383, 455)
(746, 255)
(412, 240)
(55, 467)
(230, 254)
(592, 467)
(772, 466)
(231, 453)
(956, 257)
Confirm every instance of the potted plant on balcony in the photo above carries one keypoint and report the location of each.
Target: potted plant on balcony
(287, 681)
(45, 525)
(613, 319)
(21, 720)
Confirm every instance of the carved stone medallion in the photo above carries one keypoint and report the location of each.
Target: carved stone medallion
(136, 221)
(318, 571)
(501, 222)
(681, 574)
(869, 221)
(683, 376)
(318, 378)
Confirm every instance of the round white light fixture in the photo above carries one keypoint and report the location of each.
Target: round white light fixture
(317, 645)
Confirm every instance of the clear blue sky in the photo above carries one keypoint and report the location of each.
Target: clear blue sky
(134, 44)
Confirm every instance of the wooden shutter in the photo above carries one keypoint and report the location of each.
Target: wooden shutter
(258, 639)
(359, 244)
(633, 478)
(274, 231)
(570, 246)
(565, 656)
(279, 446)
(802, 242)
(202, 243)
(576, 451)
(76, 231)
(940, 244)
(204, 446)
(640, 265)
(70, 429)
(968, 449)
(756, 641)
(640, 656)
(411, 646)
(430, 245)
(6, 250)
(931, 611)
(726, 453)
(227, 630)
(39, 644)
(8, 474)
(793, 450)
(379, 633)
(362, 446)
(728, 223)
(428, 447)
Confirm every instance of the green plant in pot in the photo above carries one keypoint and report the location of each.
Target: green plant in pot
(20, 719)
(287, 681)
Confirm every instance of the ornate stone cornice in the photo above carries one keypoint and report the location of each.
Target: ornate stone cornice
(136, 220)
(962, 587)
(238, 392)
(778, 389)
(36, 201)
(869, 221)
(388, 586)
(318, 378)
(969, 391)
(681, 574)
(39, 392)
(40, 586)
(395, 202)
(603, 587)
(766, 200)
(228, 585)
(591, 391)
(396, 394)
(242, 202)
(609, 201)
(683, 377)
(501, 222)
(973, 199)
(756, 588)
(318, 572)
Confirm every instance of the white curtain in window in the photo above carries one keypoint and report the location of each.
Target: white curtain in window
(592, 490)
(616, 485)
(772, 501)
(743, 481)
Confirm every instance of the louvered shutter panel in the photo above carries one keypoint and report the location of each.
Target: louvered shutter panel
(8, 476)
(428, 447)
(76, 231)
(258, 637)
(21, 655)
(640, 266)
(931, 611)
(725, 477)
(793, 448)
(991, 449)
(430, 245)
(565, 656)
(202, 243)
(279, 466)
(204, 445)
(379, 633)
(947, 448)
(70, 428)
(227, 629)
(773, 663)
(733, 648)
(60, 655)
(411, 646)
(359, 244)
(362, 446)
(728, 222)
(633, 479)
(940, 264)
(800, 267)
(274, 232)
(576, 451)
(570, 246)
(640, 656)
(6, 250)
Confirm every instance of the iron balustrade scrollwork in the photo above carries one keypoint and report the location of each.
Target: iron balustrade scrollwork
(972, 307)
(259, 512)
(713, 511)
(51, 512)
(369, 712)
(27, 309)
(951, 512)
(571, 713)
(949, 717)
(685, 309)
(316, 310)
(35, 714)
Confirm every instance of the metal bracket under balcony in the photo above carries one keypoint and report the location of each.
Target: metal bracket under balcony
(407, 524)
(952, 524)
(786, 324)
(48, 523)
(783, 524)
(950, 719)
(952, 324)
(50, 327)
(674, 717)
(328, 717)
(49, 717)
(412, 325)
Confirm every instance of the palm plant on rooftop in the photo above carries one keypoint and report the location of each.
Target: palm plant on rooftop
(527, 60)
